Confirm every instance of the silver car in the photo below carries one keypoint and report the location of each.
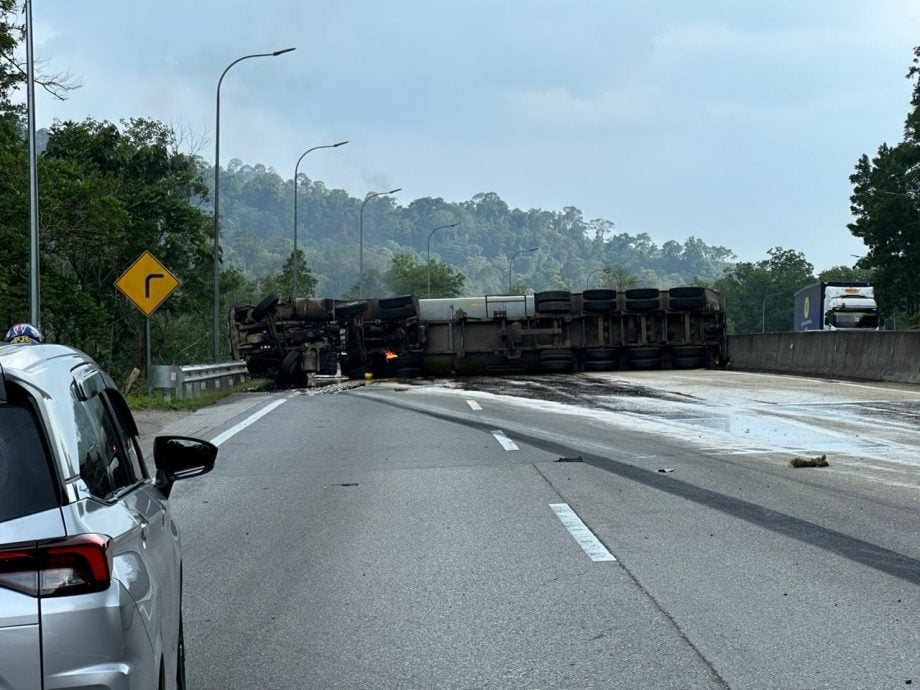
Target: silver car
(90, 564)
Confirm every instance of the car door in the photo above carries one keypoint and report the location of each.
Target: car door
(115, 480)
(160, 531)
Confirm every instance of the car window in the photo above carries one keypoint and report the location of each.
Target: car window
(27, 484)
(104, 466)
(127, 430)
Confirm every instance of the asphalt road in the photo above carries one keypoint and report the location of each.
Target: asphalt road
(422, 536)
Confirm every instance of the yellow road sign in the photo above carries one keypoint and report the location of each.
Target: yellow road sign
(147, 283)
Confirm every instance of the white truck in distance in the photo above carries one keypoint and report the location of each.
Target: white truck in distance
(836, 306)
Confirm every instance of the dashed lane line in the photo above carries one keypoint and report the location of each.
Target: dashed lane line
(254, 417)
(580, 532)
(505, 442)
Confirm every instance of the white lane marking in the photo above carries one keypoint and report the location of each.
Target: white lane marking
(505, 442)
(255, 416)
(585, 537)
(474, 405)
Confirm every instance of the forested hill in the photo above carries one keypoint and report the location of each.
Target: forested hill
(257, 209)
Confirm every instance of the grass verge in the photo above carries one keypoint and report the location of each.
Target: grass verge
(142, 401)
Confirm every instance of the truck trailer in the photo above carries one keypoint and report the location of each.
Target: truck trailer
(835, 306)
(550, 331)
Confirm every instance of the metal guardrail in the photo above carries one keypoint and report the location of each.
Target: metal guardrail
(181, 381)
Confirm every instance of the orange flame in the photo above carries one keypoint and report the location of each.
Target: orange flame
(390, 354)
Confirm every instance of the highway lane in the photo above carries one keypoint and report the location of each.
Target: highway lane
(385, 537)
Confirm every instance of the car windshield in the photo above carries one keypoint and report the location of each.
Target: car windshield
(26, 483)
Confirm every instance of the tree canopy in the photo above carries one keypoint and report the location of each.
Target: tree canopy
(886, 208)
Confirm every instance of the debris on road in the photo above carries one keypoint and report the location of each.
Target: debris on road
(814, 462)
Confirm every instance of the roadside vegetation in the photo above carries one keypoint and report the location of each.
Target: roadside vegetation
(142, 401)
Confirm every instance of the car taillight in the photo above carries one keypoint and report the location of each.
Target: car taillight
(58, 567)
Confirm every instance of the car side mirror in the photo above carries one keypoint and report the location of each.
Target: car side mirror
(181, 457)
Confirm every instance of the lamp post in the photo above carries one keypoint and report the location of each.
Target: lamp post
(763, 312)
(294, 262)
(216, 325)
(368, 197)
(511, 263)
(430, 235)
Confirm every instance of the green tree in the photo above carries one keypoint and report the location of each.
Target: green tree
(886, 207)
(759, 296)
(408, 276)
(282, 283)
(619, 278)
(846, 274)
(107, 195)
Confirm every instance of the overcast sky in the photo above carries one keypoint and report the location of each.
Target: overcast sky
(734, 121)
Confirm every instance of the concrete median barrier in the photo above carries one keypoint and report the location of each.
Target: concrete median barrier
(868, 356)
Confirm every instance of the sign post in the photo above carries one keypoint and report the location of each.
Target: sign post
(147, 284)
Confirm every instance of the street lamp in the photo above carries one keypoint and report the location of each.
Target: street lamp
(217, 195)
(763, 312)
(294, 262)
(442, 227)
(368, 197)
(511, 263)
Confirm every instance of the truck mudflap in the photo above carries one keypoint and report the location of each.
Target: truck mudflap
(292, 340)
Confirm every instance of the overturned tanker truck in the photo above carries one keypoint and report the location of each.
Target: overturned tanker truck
(551, 331)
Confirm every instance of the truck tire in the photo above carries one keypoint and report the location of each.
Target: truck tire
(288, 364)
(552, 295)
(601, 365)
(687, 302)
(642, 293)
(647, 357)
(598, 354)
(551, 301)
(263, 308)
(689, 291)
(647, 304)
(598, 294)
(557, 360)
(556, 366)
(553, 307)
(599, 306)
(688, 362)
